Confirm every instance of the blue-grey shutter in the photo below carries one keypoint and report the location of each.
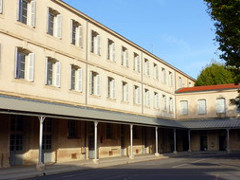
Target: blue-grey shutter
(80, 36)
(59, 26)
(16, 63)
(58, 74)
(19, 10)
(79, 85)
(46, 70)
(33, 13)
(31, 62)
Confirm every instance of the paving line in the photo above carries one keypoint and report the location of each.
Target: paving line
(198, 160)
(181, 165)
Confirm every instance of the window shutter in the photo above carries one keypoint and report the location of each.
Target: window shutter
(220, 105)
(91, 83)
(58, 74)
(127, 92)
(48, 21)
(70, 76)
(71, 31)
(138, 63)
(127, 64)
(0, 53)
(80, 79)
(98, 85)
(113, 89)
(33, 13)
(201, 106)
(19, 10)
(1, 6)
(46, 70)
(31, 62)
(16, 63)
(122, 52)
(184, 107)
(59, 26)
(80, 28)
(138, 95)
(92, 41)
(98, 45)
(113, 52)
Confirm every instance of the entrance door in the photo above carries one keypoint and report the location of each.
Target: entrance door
(47, 141)
(91, 140)
(203, 141)
(16, 141)
(144, 140)
(122, 140)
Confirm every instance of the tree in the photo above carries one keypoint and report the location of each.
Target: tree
(214, 74)
(226, 14)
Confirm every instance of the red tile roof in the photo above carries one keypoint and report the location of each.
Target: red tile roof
(208, 88)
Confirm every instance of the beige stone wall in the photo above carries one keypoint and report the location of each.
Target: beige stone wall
(234, 140)
(35, 39)
(211, 102)
(195, 141)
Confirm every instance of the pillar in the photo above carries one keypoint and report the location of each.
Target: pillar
(95, 160)
(156, 133)
(228, 145)
(175, 141)
(189, 141)
(131, 142)
(40, 165)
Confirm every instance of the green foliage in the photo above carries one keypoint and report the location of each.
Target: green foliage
(226, 14)
(214, 74)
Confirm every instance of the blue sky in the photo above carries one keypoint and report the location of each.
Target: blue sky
(178, 31)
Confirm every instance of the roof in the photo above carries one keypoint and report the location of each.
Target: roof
(29, 107)
(208, 88)
(212, 124)
(59, 110)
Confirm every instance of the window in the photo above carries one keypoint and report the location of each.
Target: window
(146, 67)
(147, 97)
(125, 91)
(1, 6)
(27, 12)
(53, 72)
(170, 79)
(184, 107)
(95, 45)
(156, 100)
(54, 23)
(76, 35)
(72, 129)
(202, 106)
(155, 71)
(164, 99)
(171, 105)
(76, 78)
(179, 82)
(124, 61)
(136, 62)
(164, 77)
(94, 83)
(221, 105)
(109, 131)
(111, 88)
(111, 50)
(136, 95)
(24, 64)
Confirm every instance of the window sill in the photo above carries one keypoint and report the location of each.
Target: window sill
(95, 96)
(125, 102)
(111, 61)
(23, 81)
(25, 25)
(94, 54)
(52, 87)
(75, 92)
(111, 99)
(53, 37)
(147, 107)
(138, 105)
(125, 67)
(77, 47)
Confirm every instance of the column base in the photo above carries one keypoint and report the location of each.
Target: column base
(96, 161)
(175, 152)
(131, 157)
(189, 150)
(228, 150)
(40, 166)
(157, 154)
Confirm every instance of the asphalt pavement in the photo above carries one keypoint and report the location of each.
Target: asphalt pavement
(186, 167)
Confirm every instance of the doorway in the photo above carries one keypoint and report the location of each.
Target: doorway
(47, 141)
(91, 140)
(123, 148)
(16, 141)
(203, 141)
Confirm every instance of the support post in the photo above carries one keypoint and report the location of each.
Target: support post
(175, 141)
(189, 141)
(95, 160)
(228, 144)
(40, 166)
(131, 142)
(156, 133)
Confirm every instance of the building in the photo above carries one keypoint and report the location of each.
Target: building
(72, 89)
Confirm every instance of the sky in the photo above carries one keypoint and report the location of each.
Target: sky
(178, 31)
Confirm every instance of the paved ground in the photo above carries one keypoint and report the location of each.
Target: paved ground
(186, 167)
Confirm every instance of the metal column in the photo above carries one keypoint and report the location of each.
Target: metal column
(40, 165)
(175, 141)
(228, 145)
(95, 160)
(189, 141)
(156, 133)
(131, 142)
